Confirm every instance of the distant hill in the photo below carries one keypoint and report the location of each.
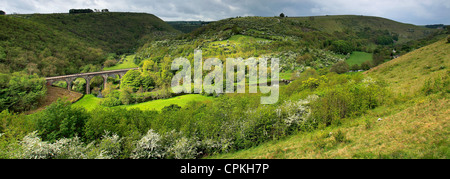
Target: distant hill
(116, 32)
(58, 44)
(356, 23)
(187, 26)
(292, 39)
(342, 26)
(37, 48)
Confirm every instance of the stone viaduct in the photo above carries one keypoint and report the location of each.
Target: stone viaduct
(88, 76)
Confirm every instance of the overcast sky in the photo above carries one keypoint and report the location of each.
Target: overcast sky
(418, 12)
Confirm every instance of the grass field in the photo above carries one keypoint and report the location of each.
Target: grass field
(359, 58)
(159, 104)
(127, 62)
(90, 102)
(237, 39)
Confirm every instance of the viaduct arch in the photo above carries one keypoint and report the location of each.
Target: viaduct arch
(88, 76)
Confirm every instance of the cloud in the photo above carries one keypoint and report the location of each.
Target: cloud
(408, 11)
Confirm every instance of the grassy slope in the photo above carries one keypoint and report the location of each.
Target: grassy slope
(127, 62)
(53, 93)
(415, 127)
(90, 102)
(406, 75)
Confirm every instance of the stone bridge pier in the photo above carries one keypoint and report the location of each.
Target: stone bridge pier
(88, 76)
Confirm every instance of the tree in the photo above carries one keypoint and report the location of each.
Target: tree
(61, 120)
(131, 79)
(340, 67)
(342, 47)
(282, 15)
(20, 92)
(2, 12)
(125, 95)
(355, 67)
(366, 65)
(384, 40)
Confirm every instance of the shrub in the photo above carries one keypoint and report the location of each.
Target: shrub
(311, 83)
(172, 107)
(184, 148)
(32, 147)
(109, 146)
(366, 65)
(355, 67)
(340, 137)
(340, 67)
(109, 63)
(149, 147)
(110, 102)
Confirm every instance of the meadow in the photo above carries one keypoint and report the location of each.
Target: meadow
(90, 102)
(359, 58)
(124, 63)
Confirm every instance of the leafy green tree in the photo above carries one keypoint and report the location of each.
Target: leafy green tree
(131, 79)
(342, 47)
(21, 92)
(125, 95)
(385, 40)
(61, 120)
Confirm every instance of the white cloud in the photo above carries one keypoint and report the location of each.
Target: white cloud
(410, 11)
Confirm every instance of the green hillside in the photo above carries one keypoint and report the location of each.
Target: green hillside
(116, 32)
(37, 48)
(300, 42)
(413, 125)
(58, 44)
(362, 27)
(361, 24)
